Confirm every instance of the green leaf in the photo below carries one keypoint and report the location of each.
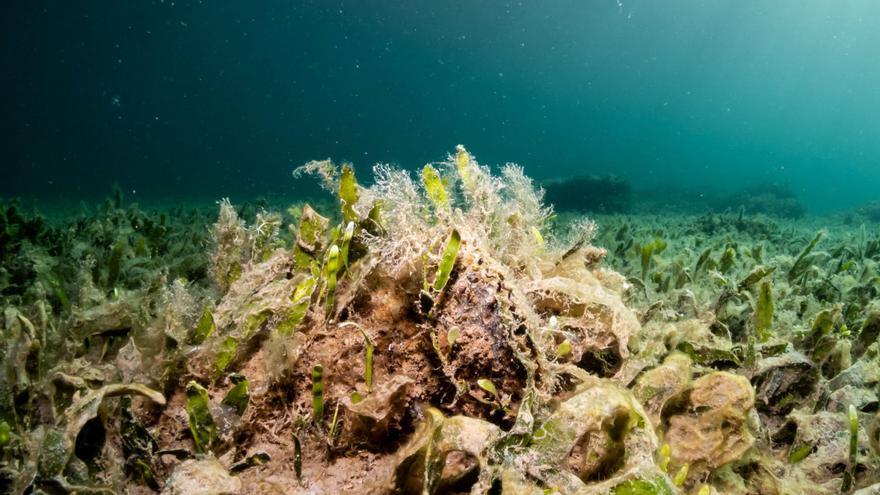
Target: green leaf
(331, 269)
(348, 194)
(302, 298)
(225, 355)
(297, 457)
(764, 313)
(680, 476)
(801, 264)
(846, 265)
(434, 187)
(539, 239)
(254, 321)
(452, 336)
(257, 459)
(648, 251)
(374, 223)
(201, 422)
(643, 487)
(849, 476)
(488, 386)
(563, 350)
(665, 457)
(728, 257)
(205, 327)
(318, 393)
(463, 166)
(347, 235)
(447, 261)
(238, 396)
(800, 453)
(334, 423)
(756, 275)
(701, 261)
(368, 365)
(645, 257)
(309, 239)
(5, 434)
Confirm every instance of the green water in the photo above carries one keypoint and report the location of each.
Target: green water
(683, 99)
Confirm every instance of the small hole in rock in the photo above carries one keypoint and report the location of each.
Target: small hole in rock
(460, 473)
(90, 440)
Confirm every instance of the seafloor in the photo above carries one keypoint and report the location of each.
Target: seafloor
(438, 332)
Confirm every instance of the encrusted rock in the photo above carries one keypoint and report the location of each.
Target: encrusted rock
(712, 430)
(202, 477)
(657, 386)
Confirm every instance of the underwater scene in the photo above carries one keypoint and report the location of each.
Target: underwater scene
(571, 247)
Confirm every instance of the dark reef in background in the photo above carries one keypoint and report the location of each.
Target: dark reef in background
(589, 193)
(770, 199)
(674, 199)
(869, 211)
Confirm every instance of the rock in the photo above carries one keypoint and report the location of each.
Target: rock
(784, 382)
(712, 430)
(202, 477)
(369, 420)
(657, 386)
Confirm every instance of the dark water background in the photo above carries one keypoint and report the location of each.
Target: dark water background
(203, 99)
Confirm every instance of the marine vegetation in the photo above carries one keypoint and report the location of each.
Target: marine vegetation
(793, 310)
(436, 332)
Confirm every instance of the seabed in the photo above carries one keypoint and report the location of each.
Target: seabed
(440, 331)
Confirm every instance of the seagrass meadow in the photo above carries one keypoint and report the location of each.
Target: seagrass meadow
(442, 331)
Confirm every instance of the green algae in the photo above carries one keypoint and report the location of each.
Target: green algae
(347, 236)
(318, 394)
(802, 262)
(644, 487)
(348, 193)
(309, 239)
(331, 269)
(764, 313)
(297, 457)
(849, 475)
(447, 261)
(205, 327)
(799, 453)
(238, 396)
(226, 352)
(257, 459)
(433, 184)
(201, 422)
(301, 298)
(757, 274)
(647, 252)
(5, 434)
